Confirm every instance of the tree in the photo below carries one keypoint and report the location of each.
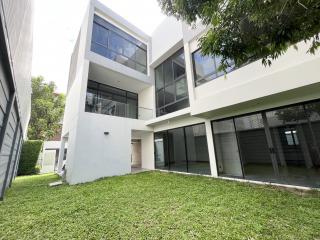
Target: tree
(247, 30)
(47, 109)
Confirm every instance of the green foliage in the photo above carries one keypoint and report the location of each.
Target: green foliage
(247, 30)
(29, 157)
(47, 109)
(156, 205)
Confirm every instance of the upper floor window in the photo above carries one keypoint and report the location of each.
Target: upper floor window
(105, 99)
(206, 68)
(113, 43)
(171, 85)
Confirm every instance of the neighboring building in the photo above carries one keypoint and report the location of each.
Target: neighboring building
(15, 83)
(50, 154)
(155, 102)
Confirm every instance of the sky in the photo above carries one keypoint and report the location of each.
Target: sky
(56, 26)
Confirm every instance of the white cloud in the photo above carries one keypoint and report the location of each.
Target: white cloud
(57, 23)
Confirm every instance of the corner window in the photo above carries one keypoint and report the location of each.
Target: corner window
(206, 68)
(171, 84)
(113, 43)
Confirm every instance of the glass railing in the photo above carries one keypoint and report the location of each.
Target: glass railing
(114, 108)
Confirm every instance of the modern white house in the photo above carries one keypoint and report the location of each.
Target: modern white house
(155, 102)
(16, 41)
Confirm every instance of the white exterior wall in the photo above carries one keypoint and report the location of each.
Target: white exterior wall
(92, 154)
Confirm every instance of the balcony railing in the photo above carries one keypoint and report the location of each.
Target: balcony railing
(114, 108)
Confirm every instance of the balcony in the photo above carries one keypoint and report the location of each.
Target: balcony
(119, 109)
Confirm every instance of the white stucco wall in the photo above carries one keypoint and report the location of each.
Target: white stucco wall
(92, 154)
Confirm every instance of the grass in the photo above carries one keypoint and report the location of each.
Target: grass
(156, 205)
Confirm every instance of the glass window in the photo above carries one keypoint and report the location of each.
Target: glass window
(141, 68)
(112, 43)
(197, 149)
(129, 49)
(168, 72)
(170, 75)
(109, 100)
(100, 35)
(160, 98)
(183, 149)
(161, 150)
(141, 56)
(226, 148)
(116, 43)
(159, 77)
(181, 88)
(169, 94)
(177, 151)
(206, 68)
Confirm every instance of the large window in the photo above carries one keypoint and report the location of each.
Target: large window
(171, 85)
(111, 42)
(109, 100)
(206, 68)
(279, 145)
(183, 149)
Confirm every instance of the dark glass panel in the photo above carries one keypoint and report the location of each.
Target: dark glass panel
(169, 94)
(100, 35)
(177, 106)
(206, 68)
(170, 75)
(177, 151)
(203, 65)
(293, 141)
(141, 56)
(132, 95)
(168, 72)
(160, 98)
(197, 149)
(159, 77)
(161, 150)
(181, 88)
(132, 109)
(226, 148)
(100, 50)
(254, 149)
(116, 43)
(129, 49)
(111, 42)
(91, 100)
(141, 68)
(178, 69)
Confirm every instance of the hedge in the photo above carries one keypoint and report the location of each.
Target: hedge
(29, 157)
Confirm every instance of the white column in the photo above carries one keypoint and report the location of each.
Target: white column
(212, 156)
(61, 155)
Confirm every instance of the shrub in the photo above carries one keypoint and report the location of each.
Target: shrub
(29, 157)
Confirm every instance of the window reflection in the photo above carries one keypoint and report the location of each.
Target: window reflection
(112, 43)
(171, 85)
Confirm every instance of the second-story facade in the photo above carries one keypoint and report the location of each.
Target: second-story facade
(155, 102)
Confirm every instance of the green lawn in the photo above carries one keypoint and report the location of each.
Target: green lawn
(156, 205)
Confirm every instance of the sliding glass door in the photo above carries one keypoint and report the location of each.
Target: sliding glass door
(280, 145)
(226, 148)
(183, 149)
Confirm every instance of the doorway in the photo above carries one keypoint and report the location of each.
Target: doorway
(280, 145)
(136, 154)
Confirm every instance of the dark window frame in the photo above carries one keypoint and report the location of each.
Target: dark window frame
(173, 83)
(185, 146)
(109, 28)
(215, 73)
(99, 92)
(264, 111)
